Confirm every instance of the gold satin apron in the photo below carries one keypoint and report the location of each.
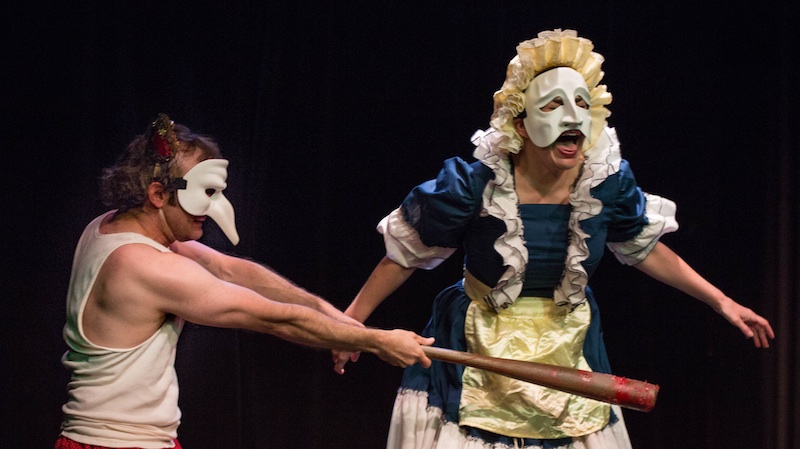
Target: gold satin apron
(532, 329)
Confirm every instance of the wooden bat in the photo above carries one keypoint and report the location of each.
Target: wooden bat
(628, 393)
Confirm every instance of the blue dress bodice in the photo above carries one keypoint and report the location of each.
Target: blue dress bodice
(446, 212)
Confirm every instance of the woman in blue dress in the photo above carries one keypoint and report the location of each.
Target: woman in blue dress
(533, 214)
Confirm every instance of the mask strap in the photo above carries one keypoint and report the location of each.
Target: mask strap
(176, 184)
(168, 230)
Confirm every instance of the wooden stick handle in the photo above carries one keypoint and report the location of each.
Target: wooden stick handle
(628, 393)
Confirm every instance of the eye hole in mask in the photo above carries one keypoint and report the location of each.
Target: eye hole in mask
(202, 195)
(556, 101)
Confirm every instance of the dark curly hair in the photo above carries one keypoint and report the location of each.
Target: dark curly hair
(123, 186)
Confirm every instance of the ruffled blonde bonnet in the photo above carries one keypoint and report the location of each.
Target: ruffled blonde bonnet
(550, 49)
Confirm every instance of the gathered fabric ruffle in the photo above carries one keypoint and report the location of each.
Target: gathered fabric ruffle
(602, 161)
(500, 200)
(404, 244)
(660, 215)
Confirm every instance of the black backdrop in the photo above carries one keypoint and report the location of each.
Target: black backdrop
(330, 112)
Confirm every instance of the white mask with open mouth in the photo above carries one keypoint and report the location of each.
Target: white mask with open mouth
(544, 127)
(202, 195)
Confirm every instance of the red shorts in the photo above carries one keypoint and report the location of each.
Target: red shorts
(65, 443)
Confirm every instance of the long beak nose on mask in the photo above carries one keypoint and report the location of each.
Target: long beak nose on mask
(222, 214)
(203, 195)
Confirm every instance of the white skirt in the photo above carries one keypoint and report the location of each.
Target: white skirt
(415, 425)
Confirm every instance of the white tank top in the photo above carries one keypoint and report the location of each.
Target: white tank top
(117, 397)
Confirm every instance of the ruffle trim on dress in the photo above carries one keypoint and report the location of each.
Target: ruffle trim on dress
(660, 213)
(500, 200)
(602, 161)
(417, 425)
(404, 245)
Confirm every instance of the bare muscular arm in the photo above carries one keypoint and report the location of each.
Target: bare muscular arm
(156, 283)
(256, 277)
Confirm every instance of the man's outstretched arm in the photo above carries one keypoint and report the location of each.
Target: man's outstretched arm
(256, 277)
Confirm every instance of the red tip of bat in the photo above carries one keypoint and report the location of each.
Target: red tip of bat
(635, 394)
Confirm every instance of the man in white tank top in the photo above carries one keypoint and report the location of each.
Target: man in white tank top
(138, 275)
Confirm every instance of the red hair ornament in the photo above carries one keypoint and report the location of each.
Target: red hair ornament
(162, 139)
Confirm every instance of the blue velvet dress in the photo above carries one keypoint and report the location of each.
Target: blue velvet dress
(451, 212)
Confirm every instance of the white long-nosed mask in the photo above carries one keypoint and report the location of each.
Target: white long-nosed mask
(544, 127)
(202, 195)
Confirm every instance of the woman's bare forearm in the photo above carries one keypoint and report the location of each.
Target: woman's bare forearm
(384, 280)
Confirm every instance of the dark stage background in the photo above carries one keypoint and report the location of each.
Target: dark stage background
(330, 112)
